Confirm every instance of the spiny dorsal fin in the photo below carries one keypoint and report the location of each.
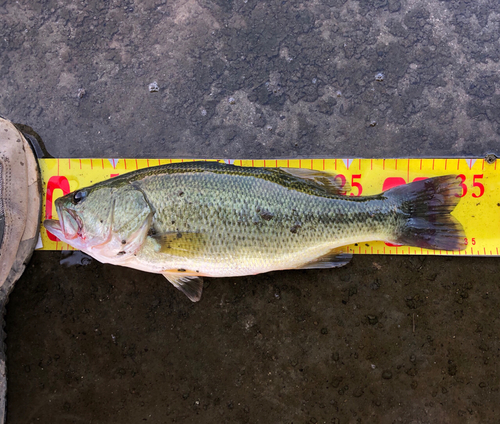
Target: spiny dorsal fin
(191, 286)
(328, 182)
(335, 258)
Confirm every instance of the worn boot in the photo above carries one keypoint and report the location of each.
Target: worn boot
(20, 206)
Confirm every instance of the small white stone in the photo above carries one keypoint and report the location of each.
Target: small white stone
(153, 87)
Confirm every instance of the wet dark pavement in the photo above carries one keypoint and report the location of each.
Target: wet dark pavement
(385, 339)
(411, 340)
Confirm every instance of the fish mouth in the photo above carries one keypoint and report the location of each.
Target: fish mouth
(54, 227)
(69, 225)
(72, 226)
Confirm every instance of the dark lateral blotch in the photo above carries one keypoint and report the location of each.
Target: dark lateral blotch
(295, 228)
(266, 215)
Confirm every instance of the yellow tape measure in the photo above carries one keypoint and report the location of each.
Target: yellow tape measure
(478, 210)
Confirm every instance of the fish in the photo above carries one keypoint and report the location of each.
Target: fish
(193, 220)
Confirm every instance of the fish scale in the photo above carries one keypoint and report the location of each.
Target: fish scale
(266, 243)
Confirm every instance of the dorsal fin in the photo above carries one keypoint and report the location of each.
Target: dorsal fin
(331, 183)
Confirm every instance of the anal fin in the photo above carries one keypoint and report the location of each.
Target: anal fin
(333, 259)
(190, 285)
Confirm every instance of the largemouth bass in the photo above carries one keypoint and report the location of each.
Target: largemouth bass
(206, 219)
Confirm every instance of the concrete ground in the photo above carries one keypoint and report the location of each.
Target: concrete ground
(385, 339)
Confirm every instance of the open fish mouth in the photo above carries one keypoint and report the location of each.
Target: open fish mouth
(54, 227)
(68, 227)
(72, 226)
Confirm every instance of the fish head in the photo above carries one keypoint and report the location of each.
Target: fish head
(109, 221)
(85, 217)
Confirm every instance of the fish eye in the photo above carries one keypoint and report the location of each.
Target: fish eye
(79, 196)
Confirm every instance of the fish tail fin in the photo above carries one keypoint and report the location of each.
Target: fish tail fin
(426, 219)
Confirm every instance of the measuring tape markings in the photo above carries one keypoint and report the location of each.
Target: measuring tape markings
(478, 210)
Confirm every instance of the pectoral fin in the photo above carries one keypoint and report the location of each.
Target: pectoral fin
(190, 285)
(333, 259)
(175, 242)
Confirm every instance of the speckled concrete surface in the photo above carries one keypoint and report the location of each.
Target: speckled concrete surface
(386, 339)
